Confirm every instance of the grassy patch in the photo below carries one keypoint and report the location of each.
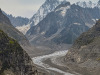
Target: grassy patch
(98, 59)
(11, 42)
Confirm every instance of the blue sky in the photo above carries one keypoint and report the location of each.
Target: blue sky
(25, 8)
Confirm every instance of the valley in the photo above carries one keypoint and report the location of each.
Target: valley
(61, 37)
(47, 62)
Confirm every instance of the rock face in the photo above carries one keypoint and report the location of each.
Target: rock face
(13, 59)
(86, 52)
(62, 26)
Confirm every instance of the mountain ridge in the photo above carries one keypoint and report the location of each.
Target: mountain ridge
(89, 4)
(62, 25)
(48, 6)
(16, 21)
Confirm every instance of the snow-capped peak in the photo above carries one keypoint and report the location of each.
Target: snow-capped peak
(88, 4)
(84, 4)
(46, 8)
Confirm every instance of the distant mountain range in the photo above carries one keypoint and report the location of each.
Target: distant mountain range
(24, 24)
(63, 25)
(50, 5)
(18, 22)
(89, 4)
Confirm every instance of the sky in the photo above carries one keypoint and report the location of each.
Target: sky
(25, 8)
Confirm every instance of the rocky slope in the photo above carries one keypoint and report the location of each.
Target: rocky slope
(13, 59)
(62, 26)
(85, 53)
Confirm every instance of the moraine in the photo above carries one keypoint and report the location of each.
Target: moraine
(39, 61)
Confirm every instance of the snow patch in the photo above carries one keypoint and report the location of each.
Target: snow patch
(94, 20)
(97, 19)
(89, 25)
(77, 23)
(43, 33)
(23, 28)
(63, 10)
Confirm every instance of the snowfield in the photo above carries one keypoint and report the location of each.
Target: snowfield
(23, 28)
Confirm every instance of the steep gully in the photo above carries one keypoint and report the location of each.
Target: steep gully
(40, 61)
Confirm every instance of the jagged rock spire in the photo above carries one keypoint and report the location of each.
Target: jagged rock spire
(0, 10)
(51, 0)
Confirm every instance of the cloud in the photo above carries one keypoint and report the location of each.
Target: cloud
(20, 7)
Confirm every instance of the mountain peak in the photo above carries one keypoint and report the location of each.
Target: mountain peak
(0, 10)
(88, 4)
(51, 0)
(47, 7)
(64, 5)
(3, 18)
(98, 23)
